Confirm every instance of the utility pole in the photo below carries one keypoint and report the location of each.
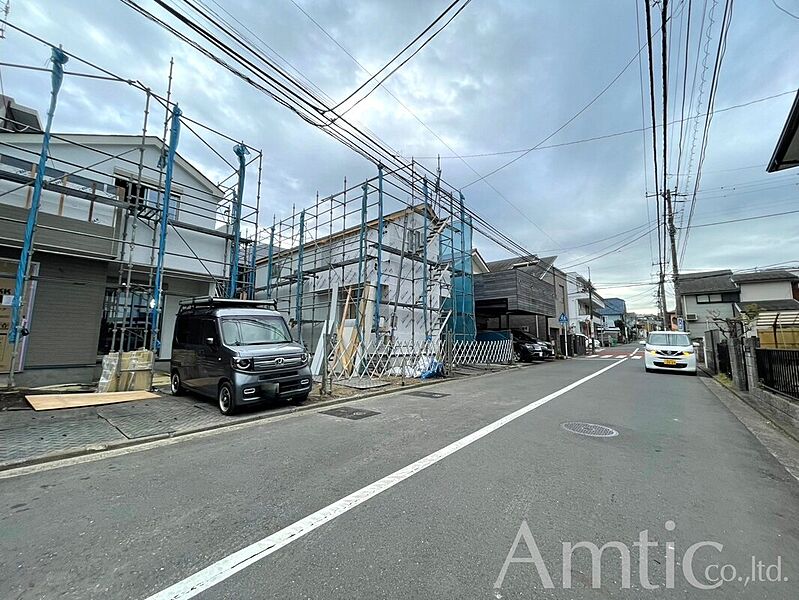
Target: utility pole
(675, 270)
(590, 311)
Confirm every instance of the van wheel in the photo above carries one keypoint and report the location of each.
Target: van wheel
(175, 384)
(226, 400)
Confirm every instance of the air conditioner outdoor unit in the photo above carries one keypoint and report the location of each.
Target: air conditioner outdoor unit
(691, 317)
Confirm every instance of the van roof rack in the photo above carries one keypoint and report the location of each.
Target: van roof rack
(210, 302)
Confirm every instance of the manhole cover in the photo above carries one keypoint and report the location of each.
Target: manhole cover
(345, 412)
(427, 394)
(590, 429)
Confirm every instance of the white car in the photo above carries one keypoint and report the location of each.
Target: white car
(669, 351)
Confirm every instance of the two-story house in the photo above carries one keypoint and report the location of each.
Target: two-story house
(706, 296)
(92, 201)
(614, 320)
(585, 305)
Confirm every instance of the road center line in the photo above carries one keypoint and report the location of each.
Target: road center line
(241, 559)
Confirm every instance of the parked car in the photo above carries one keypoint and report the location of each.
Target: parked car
(528, 348)
(669, 351)
(238, 352)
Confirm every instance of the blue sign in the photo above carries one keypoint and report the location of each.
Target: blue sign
(563, 318)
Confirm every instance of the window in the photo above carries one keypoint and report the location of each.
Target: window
(147, 196)
(208, 331)
(669, 339)
(708, 298)
(250, 331)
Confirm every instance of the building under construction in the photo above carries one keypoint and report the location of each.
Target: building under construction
(102, 235)
(373, 277)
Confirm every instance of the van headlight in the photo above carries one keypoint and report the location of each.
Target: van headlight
(242, 364)
(687, 352)
(305, 357)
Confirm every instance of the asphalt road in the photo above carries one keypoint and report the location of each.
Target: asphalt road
(132, 526)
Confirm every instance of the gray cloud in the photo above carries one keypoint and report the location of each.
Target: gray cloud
(503, 75)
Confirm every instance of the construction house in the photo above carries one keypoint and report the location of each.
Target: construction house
(97, 241)
(370, 279)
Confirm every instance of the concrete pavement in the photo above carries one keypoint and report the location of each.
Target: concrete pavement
(132, 525)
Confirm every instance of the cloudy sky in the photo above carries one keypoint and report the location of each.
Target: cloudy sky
(501, 77)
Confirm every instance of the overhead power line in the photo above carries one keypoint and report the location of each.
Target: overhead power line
(400, 53)
(523, 213)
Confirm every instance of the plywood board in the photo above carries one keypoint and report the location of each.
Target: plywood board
(55, 401)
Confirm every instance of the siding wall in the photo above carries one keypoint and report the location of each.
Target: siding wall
(67, 310)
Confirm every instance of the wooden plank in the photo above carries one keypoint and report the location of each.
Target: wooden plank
(56, 401)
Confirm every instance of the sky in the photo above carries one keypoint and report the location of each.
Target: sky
(502, 76)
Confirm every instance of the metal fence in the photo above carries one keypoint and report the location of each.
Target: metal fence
(405, 359)
(779, 370)
(480, 353)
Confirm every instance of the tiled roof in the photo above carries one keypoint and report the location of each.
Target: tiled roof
(769, 275)
(707, 282)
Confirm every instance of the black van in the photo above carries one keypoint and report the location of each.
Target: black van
(238, 352)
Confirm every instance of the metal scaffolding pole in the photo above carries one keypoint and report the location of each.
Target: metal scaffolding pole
(298, 307)
(361, 269)
(379, 290)
(269, 259)
(59, 59)
(425, 267)
(240, 151)
(174, 135)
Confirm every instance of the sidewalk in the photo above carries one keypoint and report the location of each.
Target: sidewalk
(30, 436)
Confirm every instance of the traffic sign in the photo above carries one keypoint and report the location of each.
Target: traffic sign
(563, 319)
(680, 324)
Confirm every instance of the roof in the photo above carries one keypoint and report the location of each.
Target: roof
(508, 263)
(771, 305)
(786, 154)
(769, 275)
(613, 306)
(106, 139)
(707, 282)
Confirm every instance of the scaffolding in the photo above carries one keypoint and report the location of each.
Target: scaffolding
(375, 276)
(115, 193)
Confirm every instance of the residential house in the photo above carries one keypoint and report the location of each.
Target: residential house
(85, 231)
(338, 275)
(585, 305)
(707, 296)
(614, 323)
(521, 293)
(770, 298)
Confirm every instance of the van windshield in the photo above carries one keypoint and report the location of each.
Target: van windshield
(669, 339)
(250, 331)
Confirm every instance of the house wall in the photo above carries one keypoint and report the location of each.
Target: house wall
(766, 290)
(88, 219)
(319, 280)
(704, 322)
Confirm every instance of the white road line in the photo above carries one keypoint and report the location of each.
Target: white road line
(608, 356)
(233, 563)
(636, 357)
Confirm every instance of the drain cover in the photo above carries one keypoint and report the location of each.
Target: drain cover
(427, 394)
(589, 429)
(345, 412)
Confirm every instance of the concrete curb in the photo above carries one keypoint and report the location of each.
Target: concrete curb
(281, 412)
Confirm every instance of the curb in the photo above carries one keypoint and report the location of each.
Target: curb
(281, 412)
